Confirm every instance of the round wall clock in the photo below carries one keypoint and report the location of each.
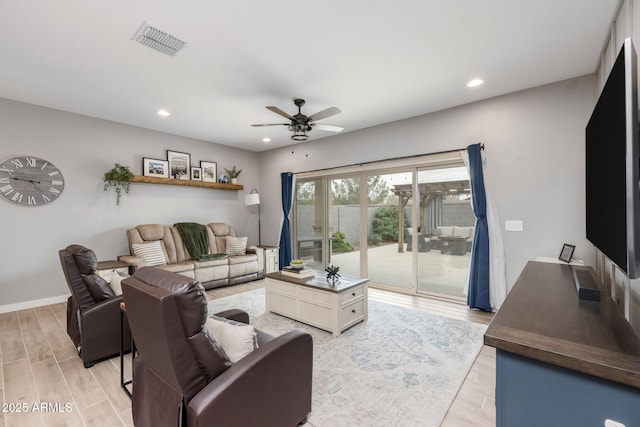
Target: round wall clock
(30, 181)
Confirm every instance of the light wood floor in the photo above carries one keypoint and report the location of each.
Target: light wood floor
(40, 365)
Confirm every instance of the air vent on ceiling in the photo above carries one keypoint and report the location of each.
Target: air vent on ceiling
(158, 40)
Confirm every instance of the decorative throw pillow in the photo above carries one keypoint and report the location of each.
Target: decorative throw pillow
(97, 287)
(116, 278)
(150, 252)
(237, 339)
(236, 245)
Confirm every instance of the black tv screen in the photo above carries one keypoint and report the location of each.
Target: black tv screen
(612, 163)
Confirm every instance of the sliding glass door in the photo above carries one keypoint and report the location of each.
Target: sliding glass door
(446, 217)
(309, 227)
(344, 224)
(388, 214)
(407, 229)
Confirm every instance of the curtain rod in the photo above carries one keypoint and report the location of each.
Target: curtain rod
(392, 159)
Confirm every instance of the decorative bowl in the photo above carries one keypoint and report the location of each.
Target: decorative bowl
(298, 264)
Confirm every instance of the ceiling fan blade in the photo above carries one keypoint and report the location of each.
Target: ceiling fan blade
(279, 111)
(331, 111)
(330, 128)
(270, 124)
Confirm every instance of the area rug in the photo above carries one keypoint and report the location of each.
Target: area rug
(402, 367)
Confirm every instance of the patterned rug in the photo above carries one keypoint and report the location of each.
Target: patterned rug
(402, 367)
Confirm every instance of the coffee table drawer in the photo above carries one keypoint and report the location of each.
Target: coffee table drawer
(351, 294)
(282, 287)
(352, 313)
(319, 297)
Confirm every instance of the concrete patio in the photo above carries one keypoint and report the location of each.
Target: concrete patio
(437, 273)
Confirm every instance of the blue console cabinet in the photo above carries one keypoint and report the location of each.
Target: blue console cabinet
(562, 361)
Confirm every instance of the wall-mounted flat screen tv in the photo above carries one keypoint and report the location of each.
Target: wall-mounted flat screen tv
(612, 163)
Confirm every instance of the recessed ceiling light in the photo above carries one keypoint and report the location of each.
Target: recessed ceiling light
(266, 139)
(163, 113)
(475, 82)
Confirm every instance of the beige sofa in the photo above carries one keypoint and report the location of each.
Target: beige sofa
(227, 270)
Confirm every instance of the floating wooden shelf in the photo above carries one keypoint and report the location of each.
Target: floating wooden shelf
(185, 182)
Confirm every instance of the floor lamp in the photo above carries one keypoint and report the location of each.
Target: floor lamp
(253, 198)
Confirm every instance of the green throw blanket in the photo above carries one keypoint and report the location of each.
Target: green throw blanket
(196, 240)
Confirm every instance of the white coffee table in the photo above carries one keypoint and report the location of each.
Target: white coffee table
(315, 302)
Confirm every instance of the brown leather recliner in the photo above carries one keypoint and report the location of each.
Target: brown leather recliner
(182, 377)
(93, 311)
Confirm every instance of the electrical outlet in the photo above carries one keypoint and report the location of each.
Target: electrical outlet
(513, 225)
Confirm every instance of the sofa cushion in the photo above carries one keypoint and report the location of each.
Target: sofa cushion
(86, 260)
(446, 230)
(241, 259)
(150, 252)
(461, 231)
(150, 232)
(236, 339)
(97, 287)
(236, 245)
(211, 263)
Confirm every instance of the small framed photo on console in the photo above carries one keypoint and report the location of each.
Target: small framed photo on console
(566, 253)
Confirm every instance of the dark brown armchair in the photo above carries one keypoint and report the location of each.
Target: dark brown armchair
(182, 377)
(93, 311)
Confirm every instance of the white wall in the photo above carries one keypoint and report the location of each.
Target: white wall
(84, 148)
(534, 143)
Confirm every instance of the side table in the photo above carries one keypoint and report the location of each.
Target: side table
(123, 383)
(453, 245)
(271, 256)
(107, 268)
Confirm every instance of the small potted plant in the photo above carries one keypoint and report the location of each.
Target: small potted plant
(233, 174)
(118, 178)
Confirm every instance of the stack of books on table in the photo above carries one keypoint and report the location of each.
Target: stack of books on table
(302, 273)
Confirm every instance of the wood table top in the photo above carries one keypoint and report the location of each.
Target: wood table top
(543, 319)
(319, 281)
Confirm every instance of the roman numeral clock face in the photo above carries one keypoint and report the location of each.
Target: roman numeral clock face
(30, 181)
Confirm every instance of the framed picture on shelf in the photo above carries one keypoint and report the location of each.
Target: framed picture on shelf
(179, 164)
(196, 173)
(155, 167)
(209, 171)
(567, 252)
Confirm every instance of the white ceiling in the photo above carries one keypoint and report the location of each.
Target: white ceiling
(378, 61)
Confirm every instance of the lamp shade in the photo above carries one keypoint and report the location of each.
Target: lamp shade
(252, 199)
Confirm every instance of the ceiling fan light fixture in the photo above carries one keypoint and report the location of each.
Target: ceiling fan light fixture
(299, 135)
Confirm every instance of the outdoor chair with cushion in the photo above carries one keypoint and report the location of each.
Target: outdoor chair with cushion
(424, 243)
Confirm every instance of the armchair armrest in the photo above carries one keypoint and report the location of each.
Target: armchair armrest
(254, 250)
(133, 261)
(235, 314)
(270, 386)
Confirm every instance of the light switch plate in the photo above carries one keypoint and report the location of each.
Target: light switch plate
(513, 225)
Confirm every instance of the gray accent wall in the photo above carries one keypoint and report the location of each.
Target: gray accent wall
(534, 151)
(535, 168)
(84, 148)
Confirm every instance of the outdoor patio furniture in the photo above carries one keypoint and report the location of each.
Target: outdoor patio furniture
(424, 243)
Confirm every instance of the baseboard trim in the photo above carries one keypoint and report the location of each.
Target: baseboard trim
(32, 304)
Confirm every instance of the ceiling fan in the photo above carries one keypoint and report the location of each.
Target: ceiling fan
(301, 124)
